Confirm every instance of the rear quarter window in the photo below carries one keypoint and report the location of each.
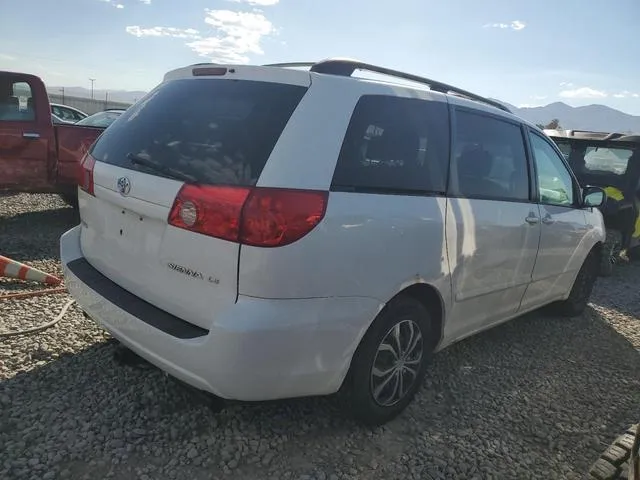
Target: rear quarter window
(395, 145)
(217, 131)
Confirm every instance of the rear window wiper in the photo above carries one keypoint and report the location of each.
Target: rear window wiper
(158, 167)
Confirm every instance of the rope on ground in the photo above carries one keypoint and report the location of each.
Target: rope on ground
(37, 293)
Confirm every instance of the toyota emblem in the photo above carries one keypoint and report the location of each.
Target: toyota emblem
(124, 186)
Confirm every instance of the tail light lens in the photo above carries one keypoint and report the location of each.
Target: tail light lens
(85, 174)
(263, 217)
(213, 211)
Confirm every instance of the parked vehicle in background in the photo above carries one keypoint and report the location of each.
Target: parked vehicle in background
(58, 121)
(37, 152)
(256, 252)
(610, 161)
(67, 113)
(101, 119)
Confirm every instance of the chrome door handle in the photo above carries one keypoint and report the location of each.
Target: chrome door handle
(30, 135)
(532, 219)
(548, 220)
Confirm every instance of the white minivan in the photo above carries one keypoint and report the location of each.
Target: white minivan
(288, 232)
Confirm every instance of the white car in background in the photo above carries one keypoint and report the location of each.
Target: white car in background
(66, 113)
(101, 119)
(287, 233)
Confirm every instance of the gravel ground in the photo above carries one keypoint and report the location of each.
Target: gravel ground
(538, 397)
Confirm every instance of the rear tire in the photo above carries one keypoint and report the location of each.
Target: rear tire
(582, 287)
(388, 366)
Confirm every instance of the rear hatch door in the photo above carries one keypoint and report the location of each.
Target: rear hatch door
(202, 130)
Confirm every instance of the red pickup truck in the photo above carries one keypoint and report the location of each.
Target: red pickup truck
(36, 155)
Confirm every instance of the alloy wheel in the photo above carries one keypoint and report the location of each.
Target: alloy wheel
(396, 363)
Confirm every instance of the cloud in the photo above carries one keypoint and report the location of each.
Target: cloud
(257, 3)
(626, 94)
(234, 35)
(138, 31)
(8, 58)
(514, 25)
(237, 34)
(566, 84)
(113, 3)
(146, 2)
(538, 97)
(583, 92)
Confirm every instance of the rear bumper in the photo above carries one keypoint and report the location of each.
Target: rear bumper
(257, 349)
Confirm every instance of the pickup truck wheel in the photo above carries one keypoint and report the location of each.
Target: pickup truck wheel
(614, 463)
(389, 365)
(582, 287)
(610, 252)
(70, 199)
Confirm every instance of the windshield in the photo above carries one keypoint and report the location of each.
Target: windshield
(100, 119)
(586, 158)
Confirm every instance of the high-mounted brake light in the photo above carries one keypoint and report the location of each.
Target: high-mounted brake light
(262, 217)
(85, 174)
(209, 71)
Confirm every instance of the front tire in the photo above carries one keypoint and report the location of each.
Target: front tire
(582, 287)
(390, 362)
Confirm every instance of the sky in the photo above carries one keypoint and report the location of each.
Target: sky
(522, 52)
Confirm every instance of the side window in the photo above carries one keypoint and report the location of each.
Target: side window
(16, 100)
(554, 180)
(395, 145)
(489, 159)
(69, 115)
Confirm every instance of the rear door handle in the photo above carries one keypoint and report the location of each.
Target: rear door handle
(548, 220)
(30, 135)
(532, 219)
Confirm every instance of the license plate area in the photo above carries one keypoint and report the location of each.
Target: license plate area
(128, 227)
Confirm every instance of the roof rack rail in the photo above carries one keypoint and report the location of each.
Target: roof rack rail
(346, 68)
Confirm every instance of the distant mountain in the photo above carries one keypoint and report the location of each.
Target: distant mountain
(590, 117)
(125, 96)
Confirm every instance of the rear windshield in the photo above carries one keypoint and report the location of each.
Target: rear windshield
(216, 131)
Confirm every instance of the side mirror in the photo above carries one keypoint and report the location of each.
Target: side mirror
(593, 197)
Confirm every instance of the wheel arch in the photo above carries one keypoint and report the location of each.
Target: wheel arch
(425, 293)
(431, 299)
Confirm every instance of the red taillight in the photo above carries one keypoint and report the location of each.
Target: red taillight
(213, 211)
(263, 217)
(85, 177)
(273, 217)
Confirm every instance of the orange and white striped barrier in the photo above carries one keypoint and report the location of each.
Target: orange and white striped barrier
(12, 269)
